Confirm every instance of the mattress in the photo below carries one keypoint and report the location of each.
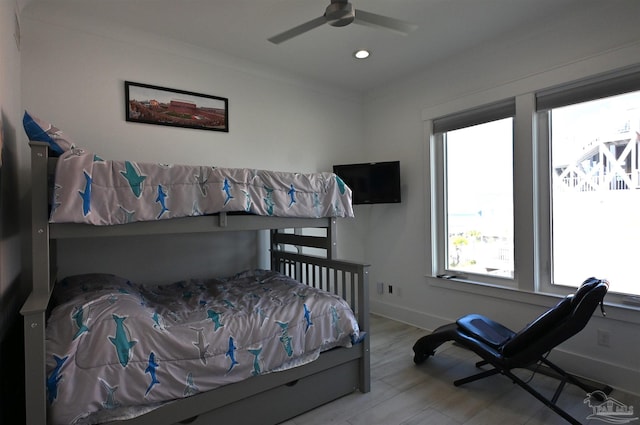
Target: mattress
(114, 346)
(90, 189)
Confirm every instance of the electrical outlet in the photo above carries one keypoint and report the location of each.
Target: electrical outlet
(390, 289)
(604, 338)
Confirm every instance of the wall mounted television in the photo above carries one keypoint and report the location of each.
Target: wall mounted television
(373, 182)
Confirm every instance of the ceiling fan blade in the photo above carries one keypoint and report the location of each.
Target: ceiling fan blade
(300, 29)
(375, 20)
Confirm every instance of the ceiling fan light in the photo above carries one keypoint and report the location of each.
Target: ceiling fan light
(361, 54)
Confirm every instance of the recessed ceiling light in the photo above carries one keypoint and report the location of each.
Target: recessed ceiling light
(361, 54)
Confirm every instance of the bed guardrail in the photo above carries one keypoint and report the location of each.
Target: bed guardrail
(348, 280)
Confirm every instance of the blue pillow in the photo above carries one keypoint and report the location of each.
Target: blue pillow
(40, 131)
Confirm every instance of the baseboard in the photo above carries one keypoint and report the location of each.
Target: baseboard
(416, 318)
(619, 377)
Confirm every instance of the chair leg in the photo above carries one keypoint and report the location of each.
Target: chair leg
(476, 377)
(547, 402)
(550, 404)
(575, 381)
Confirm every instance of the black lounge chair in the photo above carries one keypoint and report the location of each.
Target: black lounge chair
(505, 350)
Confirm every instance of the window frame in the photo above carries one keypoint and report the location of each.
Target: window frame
(480, 115)
(593, 88)
(531, 186)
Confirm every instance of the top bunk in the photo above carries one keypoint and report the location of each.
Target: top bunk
(43, 177)
(83, 195)
(47, 172)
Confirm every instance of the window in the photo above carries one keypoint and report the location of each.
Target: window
(595, 190)
(477, 192)
(541, 191)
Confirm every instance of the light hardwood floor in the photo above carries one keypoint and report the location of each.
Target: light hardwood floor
(405, 394)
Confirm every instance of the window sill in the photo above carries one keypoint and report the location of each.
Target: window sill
(627, 313)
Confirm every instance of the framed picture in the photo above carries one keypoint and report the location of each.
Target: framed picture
(177, 108)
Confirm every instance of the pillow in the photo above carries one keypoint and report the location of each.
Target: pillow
(40, 131)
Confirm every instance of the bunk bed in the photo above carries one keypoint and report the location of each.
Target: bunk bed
(263, 399)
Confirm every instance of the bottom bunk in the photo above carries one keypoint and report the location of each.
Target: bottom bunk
(262, 399)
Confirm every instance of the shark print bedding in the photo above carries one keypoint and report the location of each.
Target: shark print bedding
(113, 345)
(89, 189)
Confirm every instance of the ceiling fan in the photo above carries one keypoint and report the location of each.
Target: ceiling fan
(341, 13)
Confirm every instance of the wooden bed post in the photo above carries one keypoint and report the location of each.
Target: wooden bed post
(40, 218)
(363, 321)
(35, 307)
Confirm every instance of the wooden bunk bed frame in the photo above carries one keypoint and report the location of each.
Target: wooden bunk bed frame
(337, 372)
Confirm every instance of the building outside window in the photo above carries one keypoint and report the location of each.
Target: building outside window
(595, 191)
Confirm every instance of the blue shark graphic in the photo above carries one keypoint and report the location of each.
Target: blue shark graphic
(201, 181)
(128, 215)
(341, 185)
(110, 402)
(195, 210)
(201, 345)
(215, 318)
(257, 370)
(247, 201)
(86, 195)
(307, 318)
(262, 314)
(77, 317)
(151, 370)
(174, 316)
(158, 322)
(133, 178)
(335, 322)
(285, 339)
(231, 353)
(337, 211)
(191, 387)
(96, 158)
(317, 205)
(357, 338)
(226, 188)
(162, 200)
(54, 379)
(292, 196)
(55, 203)
(121, 342)
(268, 200)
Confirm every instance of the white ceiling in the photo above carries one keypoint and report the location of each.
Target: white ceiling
(240, 28)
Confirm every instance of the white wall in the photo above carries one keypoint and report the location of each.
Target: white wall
(9, 194)
(547, 53)
(12, 292)
(73, 76)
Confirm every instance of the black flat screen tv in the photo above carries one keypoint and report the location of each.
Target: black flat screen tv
(372, 183)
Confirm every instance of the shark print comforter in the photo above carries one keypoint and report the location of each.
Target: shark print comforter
(89, 189)
(113, 344)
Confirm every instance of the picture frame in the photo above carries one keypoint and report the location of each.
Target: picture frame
(149, 104)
